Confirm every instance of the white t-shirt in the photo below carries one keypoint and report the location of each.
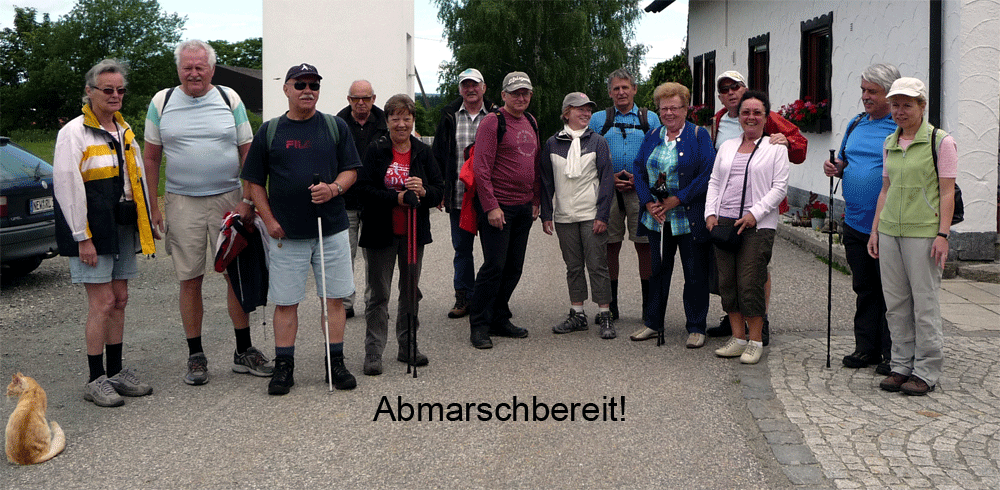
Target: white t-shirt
(200, 137)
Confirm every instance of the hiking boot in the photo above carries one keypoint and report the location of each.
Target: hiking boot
(126, 383)
(282, 380)
(197, 369)
(480, 339)
(508, 329)
(342, 378)
(893, 382)
(916, 387)
(404, 356)
(883, 368)
(733, 348)
(252, 361)
(373, 365)
(461, 307)
(607, 325)
(858, 359)
(575, 322)
(723, 330)
(102, 393)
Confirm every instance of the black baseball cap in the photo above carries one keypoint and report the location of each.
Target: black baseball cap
(302, 70)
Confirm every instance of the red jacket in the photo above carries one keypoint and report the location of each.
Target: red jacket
(797, 144)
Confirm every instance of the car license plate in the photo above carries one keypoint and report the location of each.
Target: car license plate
(41, 205)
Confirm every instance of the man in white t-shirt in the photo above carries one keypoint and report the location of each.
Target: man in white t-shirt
(204, 133)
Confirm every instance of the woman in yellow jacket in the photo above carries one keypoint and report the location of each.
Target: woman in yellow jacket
(102, 221)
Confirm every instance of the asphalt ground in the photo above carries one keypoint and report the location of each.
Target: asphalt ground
(689, 419)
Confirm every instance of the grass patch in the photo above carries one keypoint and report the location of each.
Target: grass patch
(837, 267)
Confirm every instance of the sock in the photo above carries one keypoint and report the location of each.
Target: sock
(96, 364)
(284, 351)
(114, 354)
(336, 350)
(603, 310)
(194, 345)
(741, 341)
(243, 340)
(577, 308)
(758, 344)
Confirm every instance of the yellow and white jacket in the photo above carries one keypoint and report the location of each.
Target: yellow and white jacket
(87, 185)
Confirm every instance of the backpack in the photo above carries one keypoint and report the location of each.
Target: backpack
(609, 121)
(225, 98)
(331, 126)
(850, 127)
(958, 215)
(501, 130)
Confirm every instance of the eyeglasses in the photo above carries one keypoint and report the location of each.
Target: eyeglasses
(110, 91)
(302, 85)
(672, 109)
(725, 89)
(520, 95)
(366, 99)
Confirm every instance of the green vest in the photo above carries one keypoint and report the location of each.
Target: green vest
(913, 202)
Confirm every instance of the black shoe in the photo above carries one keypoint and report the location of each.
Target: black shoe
(723, 330)
(573, 323)
(342, 378)
(404, 356)
(883, 368)
(282, 380)
(480, 339)
(765, 335)
(860, 359)
(508, 329)
(607, 326)
(349, 312)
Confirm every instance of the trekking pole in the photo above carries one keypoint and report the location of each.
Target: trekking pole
(322, 297)
(829, 266)
(410, 198)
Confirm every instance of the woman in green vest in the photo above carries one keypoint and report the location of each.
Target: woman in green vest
(910, 237)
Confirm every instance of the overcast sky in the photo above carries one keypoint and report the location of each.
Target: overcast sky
(236, 20)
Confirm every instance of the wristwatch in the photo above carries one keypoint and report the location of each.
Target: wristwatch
(340, 190)
(943, 235)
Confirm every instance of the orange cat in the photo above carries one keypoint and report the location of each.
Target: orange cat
(29, 440)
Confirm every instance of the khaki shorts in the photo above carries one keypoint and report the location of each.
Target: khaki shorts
(193, 224)
(618, 220)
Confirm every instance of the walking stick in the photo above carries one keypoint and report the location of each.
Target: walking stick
(829, 266)
(322, 297)
(410, 198)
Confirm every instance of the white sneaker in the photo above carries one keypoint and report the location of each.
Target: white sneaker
(695, 340)
(733, 348)
(752, 353)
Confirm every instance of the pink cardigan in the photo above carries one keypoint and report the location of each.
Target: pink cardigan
(767, 186)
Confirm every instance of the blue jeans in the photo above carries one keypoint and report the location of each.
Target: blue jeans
(694, 261)
(465, 268)
(503, 261)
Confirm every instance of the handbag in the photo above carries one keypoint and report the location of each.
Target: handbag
(724, 235)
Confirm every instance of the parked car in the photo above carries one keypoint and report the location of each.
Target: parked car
(27, 214)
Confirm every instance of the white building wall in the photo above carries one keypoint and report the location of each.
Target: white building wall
(867, 32)
(346, 40)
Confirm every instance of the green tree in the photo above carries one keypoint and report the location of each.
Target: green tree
(563, 45)
(247, 53)
(675, 69)
(47, 83)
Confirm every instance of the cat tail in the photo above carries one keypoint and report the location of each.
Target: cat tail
(57, 444)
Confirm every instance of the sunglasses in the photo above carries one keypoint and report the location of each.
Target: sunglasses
(725, 89)
(358, 99)
(302, 85)
(110, 91)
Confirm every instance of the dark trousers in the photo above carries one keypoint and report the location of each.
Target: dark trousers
(694, 261)
(503, 260)
(871, 331)
(462, 241)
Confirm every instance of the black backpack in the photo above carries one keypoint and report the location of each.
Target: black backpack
(609, 121)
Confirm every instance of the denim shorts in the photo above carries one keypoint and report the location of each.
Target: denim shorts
(110, 266)
(290, 261)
